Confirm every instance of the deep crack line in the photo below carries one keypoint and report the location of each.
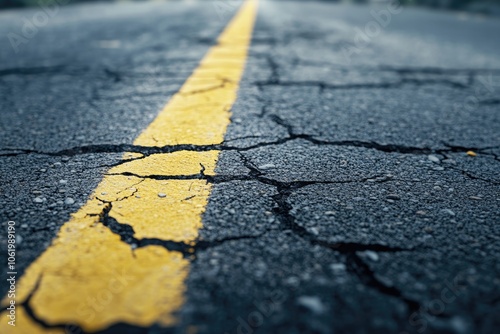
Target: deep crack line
(149, 150)
(358, 267)
(355, 263)
(188, 250)
(383, 85)
(30, 312)
(126, 233)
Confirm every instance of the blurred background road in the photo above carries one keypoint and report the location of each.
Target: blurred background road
(359, 184)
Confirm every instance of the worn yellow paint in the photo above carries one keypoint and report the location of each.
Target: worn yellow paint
(203, 120)
(175, 217)
(24, 325)
(89, 276)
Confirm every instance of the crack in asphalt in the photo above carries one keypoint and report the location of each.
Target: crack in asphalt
(472, 176)
(439, 71)
(274, 77)
(297, 61)
(282, 211)
(354, 261)
(112, 73)
(355, 265)
(121, 198)
(404, 73)
(148, 150)
(391, 148)
(222, 84)
(126, 233)
(383, 85)
(188, 249)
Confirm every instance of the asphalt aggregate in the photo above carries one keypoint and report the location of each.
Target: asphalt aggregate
(356, 191)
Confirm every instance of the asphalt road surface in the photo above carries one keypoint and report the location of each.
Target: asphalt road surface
(357, 188)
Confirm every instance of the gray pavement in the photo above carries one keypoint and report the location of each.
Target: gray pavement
(345, 200)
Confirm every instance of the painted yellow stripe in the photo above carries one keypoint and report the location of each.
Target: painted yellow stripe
(88, 276)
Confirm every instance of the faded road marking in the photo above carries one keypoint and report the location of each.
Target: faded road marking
(89, 276)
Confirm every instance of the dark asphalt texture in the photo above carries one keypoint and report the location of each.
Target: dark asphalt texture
(345, 200)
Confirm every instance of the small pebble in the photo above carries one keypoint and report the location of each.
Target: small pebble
(312, 303)
(162, 195)
(57, 164)
(433, 158)
(448, 211)
(471, 153)
(69, 201)
(421, 213)
(266, 166)
(371, 255)
(476, 198)
(65, 159)
(38, 200)
(63, 181)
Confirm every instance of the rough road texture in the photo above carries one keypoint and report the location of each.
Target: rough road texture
(344, 201)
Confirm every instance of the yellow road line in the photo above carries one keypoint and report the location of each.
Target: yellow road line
(89, 276)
